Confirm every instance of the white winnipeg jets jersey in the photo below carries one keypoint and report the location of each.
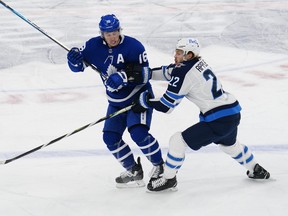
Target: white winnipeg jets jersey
(195, 80)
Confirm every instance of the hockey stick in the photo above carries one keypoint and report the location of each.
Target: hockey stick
(50, 37)
(67, 135)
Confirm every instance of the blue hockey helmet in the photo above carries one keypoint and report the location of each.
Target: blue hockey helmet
(109, 23)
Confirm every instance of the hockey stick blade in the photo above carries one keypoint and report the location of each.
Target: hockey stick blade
(67, 135)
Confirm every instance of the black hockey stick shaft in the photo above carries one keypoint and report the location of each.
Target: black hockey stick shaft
(67, 135)
(47, 35)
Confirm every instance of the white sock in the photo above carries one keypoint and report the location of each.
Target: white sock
(241, 154)
(175, 156)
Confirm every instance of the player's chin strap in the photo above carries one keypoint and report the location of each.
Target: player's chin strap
(67, 135)
(50, 37)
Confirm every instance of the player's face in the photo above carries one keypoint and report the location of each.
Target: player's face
(178, 57)
(112, 38)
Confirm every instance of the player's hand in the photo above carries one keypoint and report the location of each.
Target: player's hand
(75, 57)
(142, 103)
(137, 73)
(116, 81)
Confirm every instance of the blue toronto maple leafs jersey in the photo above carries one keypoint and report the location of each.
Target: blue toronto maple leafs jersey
(111, 60)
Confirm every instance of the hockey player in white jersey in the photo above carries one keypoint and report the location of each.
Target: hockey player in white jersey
(193, 78)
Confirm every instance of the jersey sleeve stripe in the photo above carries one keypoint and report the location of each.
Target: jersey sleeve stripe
(167, 103)
(174, 96)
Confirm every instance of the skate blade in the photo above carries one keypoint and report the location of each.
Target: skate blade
(267, 177)
(262, 180)
(134, 184)
(173, 189)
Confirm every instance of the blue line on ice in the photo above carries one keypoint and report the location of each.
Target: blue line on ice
(104, 152)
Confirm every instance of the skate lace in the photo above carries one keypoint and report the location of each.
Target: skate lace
(159, 182)
(127, 174)
(155, 172)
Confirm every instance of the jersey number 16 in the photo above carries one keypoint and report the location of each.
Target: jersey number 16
(143, 57)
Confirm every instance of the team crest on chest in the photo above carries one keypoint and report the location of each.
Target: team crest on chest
(111, 69)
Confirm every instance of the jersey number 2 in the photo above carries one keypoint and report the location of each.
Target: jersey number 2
(208, 74)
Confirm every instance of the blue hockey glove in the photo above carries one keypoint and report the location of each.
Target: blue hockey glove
(116, 81)
(75, 59)
(142, 103)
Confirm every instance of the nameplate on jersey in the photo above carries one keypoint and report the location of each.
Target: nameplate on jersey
(201, 66)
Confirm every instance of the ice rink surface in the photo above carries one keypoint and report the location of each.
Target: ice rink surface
(246, 44)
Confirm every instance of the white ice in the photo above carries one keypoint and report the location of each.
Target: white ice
(40, 99)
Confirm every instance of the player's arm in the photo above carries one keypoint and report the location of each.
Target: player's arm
(137, 68)
(146, 101)
(165, 104)
(134, 73)
(76, 60)
(138, 73)
(162, 73)
(178, 87)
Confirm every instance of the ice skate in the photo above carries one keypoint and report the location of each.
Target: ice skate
(156, 172)
(162, 184)
(259, 173)
(131, 178)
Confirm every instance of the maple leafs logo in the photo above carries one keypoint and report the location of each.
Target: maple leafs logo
(111, 69)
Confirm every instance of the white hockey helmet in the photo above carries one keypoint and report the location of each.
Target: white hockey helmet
(189, 45)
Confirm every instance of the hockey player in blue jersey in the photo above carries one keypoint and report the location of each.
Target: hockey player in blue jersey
(124, 67)
(192, 77)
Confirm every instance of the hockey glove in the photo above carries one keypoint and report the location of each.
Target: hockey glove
(116, 81)
(142, 103)
(137, 73)
(75, 60)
